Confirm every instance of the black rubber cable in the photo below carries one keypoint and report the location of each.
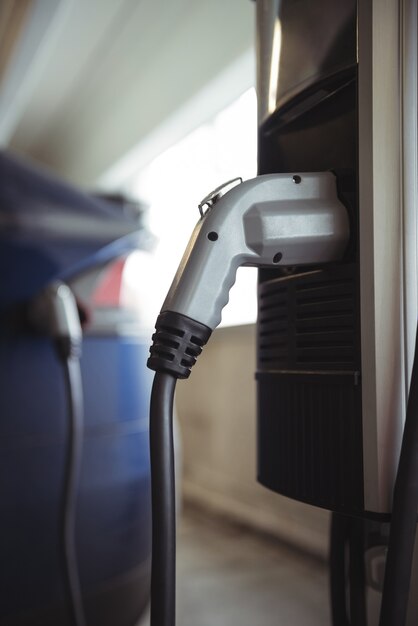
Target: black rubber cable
(163, 569)
(337, 569)
(74, 390)
(404, 516)
(357, 574)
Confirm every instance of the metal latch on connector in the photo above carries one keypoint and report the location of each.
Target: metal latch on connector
(216, 194)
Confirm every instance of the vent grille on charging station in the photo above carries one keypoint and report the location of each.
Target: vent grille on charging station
(308, 322)
(310, 445)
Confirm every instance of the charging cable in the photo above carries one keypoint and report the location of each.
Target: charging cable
(54, 311)
(347, 571)
(271, 220)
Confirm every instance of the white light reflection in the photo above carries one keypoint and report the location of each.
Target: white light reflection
(275, 66)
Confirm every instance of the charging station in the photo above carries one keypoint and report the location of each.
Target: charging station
(337, 88)
(310, 443)
(338, 106)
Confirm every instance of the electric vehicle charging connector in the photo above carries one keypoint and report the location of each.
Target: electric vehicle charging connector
(268, 221)
(278, 219)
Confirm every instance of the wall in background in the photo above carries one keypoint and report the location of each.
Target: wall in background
(216, 408)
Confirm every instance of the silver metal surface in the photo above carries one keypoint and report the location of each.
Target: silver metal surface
(216, 194)
(267, 16)
(265, 221)
(387, 219)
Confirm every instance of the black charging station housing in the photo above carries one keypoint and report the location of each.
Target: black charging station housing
(309, 390)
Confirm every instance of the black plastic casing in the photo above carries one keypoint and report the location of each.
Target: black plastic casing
(309, 389)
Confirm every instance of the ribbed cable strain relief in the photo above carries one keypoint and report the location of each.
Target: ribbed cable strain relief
(177, 342)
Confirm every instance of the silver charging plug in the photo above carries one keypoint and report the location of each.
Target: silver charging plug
(268, 221)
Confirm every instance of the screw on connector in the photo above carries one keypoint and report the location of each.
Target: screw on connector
(177, 342)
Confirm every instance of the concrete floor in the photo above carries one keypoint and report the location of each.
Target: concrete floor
(227, 576)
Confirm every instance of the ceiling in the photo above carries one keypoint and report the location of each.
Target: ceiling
(86, 81)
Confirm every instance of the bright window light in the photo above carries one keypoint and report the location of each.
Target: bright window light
(173, 185)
